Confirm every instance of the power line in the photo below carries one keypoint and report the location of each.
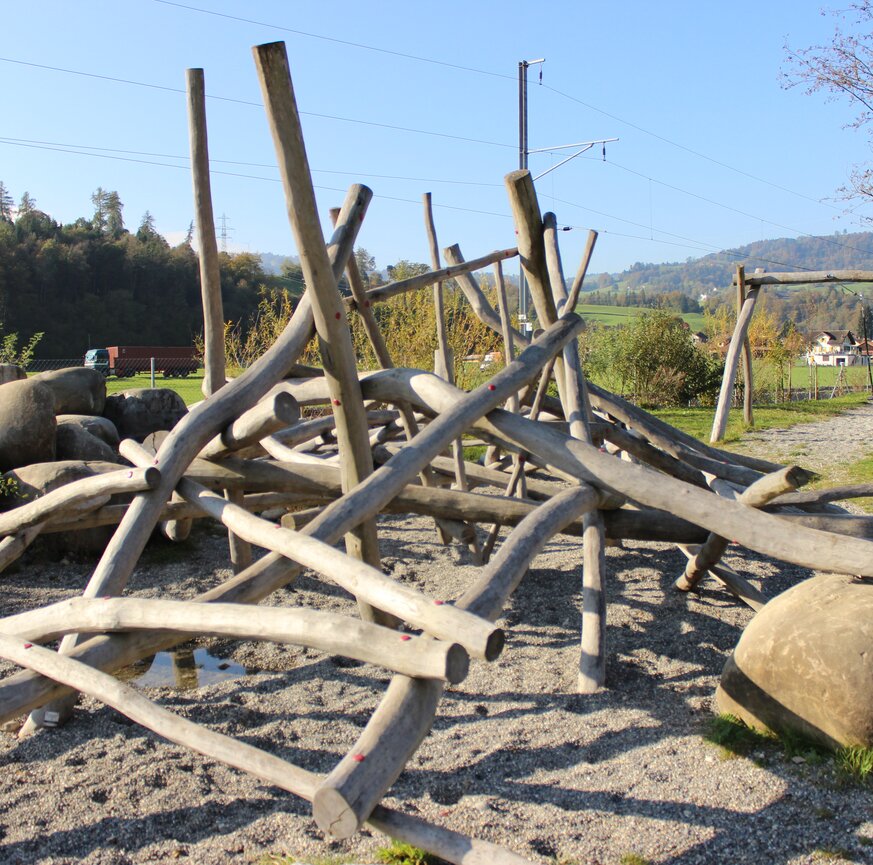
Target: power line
(166, 89)
(86, 147)
(333, 39)
(432, 133)
(492, 74)
(690, 150)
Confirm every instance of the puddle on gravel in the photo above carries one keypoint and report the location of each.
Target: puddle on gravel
(183, 669)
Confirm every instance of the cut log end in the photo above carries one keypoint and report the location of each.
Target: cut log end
(457, 664)
(333, 814)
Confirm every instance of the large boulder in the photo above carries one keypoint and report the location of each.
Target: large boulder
(805, 663)
(77, 389)
(97, 425)
(74, 442)
(11, 372)
(27, 423)
(36, 480)
(141, 411)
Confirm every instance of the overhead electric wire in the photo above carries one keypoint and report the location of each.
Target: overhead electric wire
(492, 74)
(259, 105)
(83, 148)
(345, 42)
(690, 243)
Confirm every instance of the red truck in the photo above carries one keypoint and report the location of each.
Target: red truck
(125, 360)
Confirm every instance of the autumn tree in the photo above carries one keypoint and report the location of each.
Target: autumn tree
(842, 69)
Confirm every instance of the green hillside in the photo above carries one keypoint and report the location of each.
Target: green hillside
(614, 315)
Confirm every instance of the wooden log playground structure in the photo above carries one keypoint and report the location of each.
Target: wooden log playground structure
(586, 464)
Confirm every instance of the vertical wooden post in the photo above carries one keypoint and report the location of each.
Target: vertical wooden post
(210, 278)
(577, 410)
(748, 417)
(443, 357)
(331, 324)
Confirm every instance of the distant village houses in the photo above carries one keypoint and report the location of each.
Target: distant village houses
(838, 348)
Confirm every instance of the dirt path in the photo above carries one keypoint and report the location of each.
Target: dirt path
(823, 444)
(514, 756)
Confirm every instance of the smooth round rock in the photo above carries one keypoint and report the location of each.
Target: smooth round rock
(36, 480)
(74, 442)
(141, 411)
(27, 423)
(77, 389)
(97, 425)
(805, 663)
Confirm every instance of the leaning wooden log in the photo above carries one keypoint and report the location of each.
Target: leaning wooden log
(277, 411)
(719, 423)
(476, 297)
(573, 296)
(357, 577)
(337, 352)
(821, 497)
(760, 493)
(531, 249)
(12, 547)
(187, 438)
(225, 749)
(765, 533)
(415, 283)
(344, 800)
(324, 631)
(738, 586)
(666, 436)
(78, 497)
(444, 843)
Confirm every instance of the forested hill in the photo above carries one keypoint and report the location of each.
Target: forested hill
(714, 272)
(93, 283)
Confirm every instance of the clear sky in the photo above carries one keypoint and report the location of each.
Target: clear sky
(691, 89)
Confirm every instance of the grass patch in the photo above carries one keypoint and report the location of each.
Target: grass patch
(187, 388)
(405, 854)
(736, 739)
(830, 854)
(633, 859)
(856, 763)
(733, 737)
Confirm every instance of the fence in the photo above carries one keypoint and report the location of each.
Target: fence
(167, 367)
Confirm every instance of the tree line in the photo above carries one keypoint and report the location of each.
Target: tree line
(93, 283)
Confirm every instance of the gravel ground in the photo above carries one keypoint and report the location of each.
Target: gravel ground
(514, 756)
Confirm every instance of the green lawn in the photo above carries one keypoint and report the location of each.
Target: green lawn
(801, 375)
(612, 315)
(188, 388)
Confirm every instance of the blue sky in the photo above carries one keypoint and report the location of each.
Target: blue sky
(691, 89)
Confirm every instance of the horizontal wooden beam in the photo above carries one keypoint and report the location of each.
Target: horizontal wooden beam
(810, 276)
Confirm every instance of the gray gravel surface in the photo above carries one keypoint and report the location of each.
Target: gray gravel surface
(515, 756)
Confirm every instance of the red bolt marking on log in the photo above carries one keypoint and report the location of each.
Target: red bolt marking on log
(359, 758)
(28, 645)
(338, 316)
(492, 387)
(521, 458)
(439, 603)
(366, 303)
(337, 402)
(405, 637)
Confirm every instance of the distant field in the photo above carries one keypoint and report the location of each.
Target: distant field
(801, 375)
(623, 314)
